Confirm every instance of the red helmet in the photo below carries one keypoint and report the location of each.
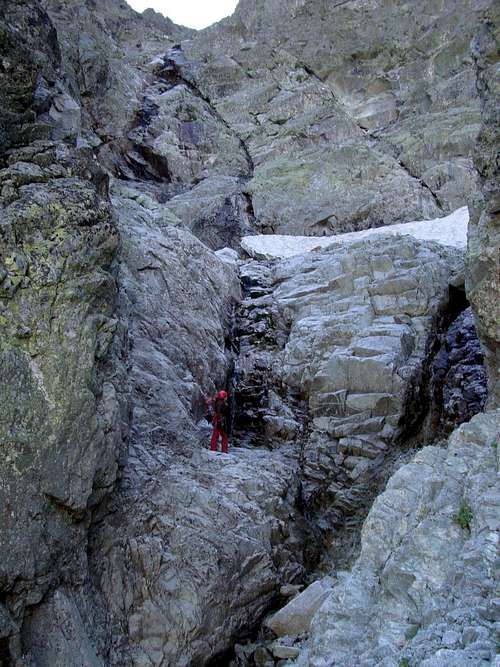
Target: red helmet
(222, 394)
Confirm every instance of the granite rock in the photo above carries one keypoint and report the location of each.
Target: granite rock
(483, 282)
(422, 588)
(130, 150)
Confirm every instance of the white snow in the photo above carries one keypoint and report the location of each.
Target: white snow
(450, 231)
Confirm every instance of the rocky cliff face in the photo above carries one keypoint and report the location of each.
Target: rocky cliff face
(421, 591)
(131, 149)
(484, 241)
(367, 105)
(335, 359)
(60, 425)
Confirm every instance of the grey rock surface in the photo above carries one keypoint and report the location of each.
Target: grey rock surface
(423, 586)
(57, 634)
(130, 150)
(355, 102)
(214, 538)
(458, 375)
(333, 354)
(295, 617)
(213, 535)
(483, 283)
(60, 341)
(107, 51)
(282, 651)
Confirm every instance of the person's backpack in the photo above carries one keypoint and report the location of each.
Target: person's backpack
(220, 408)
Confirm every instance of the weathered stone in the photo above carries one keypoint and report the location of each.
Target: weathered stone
(123, 540)
(458, 382)
(308, 112)
(295, 617)
(283, 651)
(262, 657)
(290, 590)
(483, 280)
(426, 564)
(198, 510)
(59, 619)
(62, 389)
(357, 367)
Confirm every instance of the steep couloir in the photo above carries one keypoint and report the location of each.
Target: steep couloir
(131, 150)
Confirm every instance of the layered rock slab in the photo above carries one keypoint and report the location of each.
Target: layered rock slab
(361, 321)
(295, 617)
(334, 350)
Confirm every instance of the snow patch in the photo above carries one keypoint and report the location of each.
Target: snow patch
(450, 231)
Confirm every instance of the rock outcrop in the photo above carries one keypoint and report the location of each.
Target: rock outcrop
(211, 541)
(334, 348)
(106, 53)
(60, 341)
(203, 531)
(295, 617)
(422, 589)
(484, 240)
(354, 114)
(458, 378)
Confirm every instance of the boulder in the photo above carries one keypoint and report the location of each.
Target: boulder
(290, 590)
(295, 617)
(283, 652)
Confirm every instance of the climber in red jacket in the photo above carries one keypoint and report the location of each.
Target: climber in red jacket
(218, 408)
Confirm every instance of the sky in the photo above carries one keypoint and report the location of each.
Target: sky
(192, 13)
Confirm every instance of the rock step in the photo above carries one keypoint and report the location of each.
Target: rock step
(364, 447)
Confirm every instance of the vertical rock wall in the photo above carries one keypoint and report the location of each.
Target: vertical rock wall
(423, 588)
(334, 353)
(60, 422)
(458, 382)
(483, 284)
